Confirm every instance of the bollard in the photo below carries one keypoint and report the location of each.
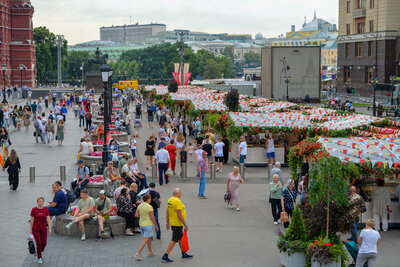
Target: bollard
(154, 171)
(269, 168)
(32, 174)
(184, 171)
(63, 175)
(213, 169)
(93, 167)
(241, 170)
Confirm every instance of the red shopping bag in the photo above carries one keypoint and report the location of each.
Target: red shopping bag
(185, 242)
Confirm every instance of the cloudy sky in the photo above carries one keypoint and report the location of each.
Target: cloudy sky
(80, 20)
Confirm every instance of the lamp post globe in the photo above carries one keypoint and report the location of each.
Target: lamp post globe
(4, 68)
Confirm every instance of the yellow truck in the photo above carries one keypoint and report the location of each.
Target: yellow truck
(126, 85)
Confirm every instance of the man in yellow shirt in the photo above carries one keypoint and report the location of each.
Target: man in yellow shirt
(176, 219)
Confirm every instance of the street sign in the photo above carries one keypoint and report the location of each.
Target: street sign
(333, 76)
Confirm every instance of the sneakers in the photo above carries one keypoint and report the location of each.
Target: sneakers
(68, 226)
(279, 221)
(83, 238)
(237, 209)
(11, 187)
(275, 222)
(217, 170)
(202, 197)
(231, 206)
(385, 230)
(40, 261)
(186, 256)
(98, 238)
(166, 259)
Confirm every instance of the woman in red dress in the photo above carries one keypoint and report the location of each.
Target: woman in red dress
(171, 148)
(38, 228)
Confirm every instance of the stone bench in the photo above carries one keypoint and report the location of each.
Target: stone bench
(124, 146)
(116, 223)
(94, 189)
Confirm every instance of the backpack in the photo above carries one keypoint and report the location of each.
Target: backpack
(70, 196)
(90, 170)
(36, 124)
(107, 231)
(88, 116)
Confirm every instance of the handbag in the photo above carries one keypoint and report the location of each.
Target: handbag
(185, 242)
(227, 197)
(284, 216)
(169, 172)
(31, 247)
(157, 202)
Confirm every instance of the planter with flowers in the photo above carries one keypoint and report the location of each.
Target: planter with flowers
(293, 243)
(324, 253)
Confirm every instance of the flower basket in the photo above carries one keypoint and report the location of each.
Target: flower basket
(297, 259)
(96, 179)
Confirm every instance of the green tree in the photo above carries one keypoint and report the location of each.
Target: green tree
(46, 54)
(212, 70)
(251, 58)
(328, 183)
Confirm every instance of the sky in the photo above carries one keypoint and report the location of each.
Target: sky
(79, 20)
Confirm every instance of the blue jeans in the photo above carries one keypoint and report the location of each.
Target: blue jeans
(142, 182)
(129, 180)
(162, 169)
(353, 231)
(242, 157)
(81, 121)
(81, 186)
(56, 211)
(133, 153)
(158, 223)
(202, 186)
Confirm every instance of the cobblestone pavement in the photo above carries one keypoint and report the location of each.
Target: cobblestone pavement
(218, 236)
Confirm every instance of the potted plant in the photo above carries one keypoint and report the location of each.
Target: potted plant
(326, 253)
(293, 244)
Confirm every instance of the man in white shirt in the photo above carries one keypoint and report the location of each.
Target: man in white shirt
(199, 155)
(219, 154)
(163, 159)
(128, 122)
(141, 177)
(126, 173)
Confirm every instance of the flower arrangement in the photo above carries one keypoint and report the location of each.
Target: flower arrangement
(97, 142)
(100, 154)
(325, 251)
(115, 132)
(96, 179)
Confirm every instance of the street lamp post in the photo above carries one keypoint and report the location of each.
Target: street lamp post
(21, 68)
(287, 81)
(59, 42)
(182, 35)
(106, 73)
(375, 82)
(4, 68)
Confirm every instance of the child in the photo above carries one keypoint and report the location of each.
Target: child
(183, 155)
(138, 123)
(190, 152)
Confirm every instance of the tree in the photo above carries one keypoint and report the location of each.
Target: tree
(212, 70)
(251, 58)
(46, 54)
(232, 100)
(328, 183)
(172, 87)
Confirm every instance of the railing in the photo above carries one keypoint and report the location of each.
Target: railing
(359, 13)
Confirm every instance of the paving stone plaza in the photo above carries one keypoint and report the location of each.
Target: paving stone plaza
(218, 236)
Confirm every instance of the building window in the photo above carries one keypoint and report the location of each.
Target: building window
(370, 48)
(360, 4)
(347, 75)
(369, 72)
(360, 27)
(359, 52)
(371, 3)
(347, 50)
(371, 26)
(348, 29)
(348, 6)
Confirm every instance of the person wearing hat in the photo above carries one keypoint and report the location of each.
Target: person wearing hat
(82, 177)
(103, 209)
(111, 179)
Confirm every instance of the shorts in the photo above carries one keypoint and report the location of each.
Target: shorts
(150, 119)
(177, 233)
(242, 158)
(209, 157)
(219, 159)
(147, 231)
(271, 155)
(106, 217)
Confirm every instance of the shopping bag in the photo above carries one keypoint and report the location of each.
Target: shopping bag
(169, 172)
(1, 160)
(185, 242)
(284, 216)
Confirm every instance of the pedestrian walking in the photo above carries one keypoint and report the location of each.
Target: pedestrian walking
(288, 199)
(171, 148)
(276, 188)
(13, 169)
(219, 154)
(381, 204)
(369, 240)
(26, 117)
(133, 147)
(202, 167)
(156, 204)
(176, 220)
(145, 213)
(40, 215)
(242, 150)
(149, 152)
(60, 132)
(225, 140)
(270, 147)
(5, 140)
(163, 159)
(232, 186)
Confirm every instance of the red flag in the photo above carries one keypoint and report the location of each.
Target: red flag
(379, 164)
(362, 161)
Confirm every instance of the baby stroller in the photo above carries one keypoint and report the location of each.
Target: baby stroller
(352, 248)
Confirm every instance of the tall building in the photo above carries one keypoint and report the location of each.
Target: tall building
(131, 34)
(16, 42)
(368, 43)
